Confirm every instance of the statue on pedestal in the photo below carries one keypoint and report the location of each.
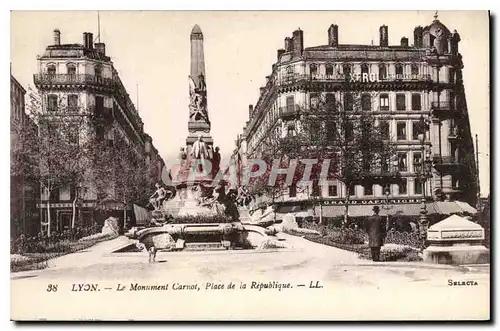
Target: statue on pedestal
(156, 200)
(197, 96)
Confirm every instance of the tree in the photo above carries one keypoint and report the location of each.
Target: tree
(120, 173)
(61, 147)
(351, 141)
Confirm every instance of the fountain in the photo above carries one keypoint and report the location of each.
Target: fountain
(197, 210)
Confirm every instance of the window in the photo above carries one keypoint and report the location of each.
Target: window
(352, 189)
(331, 129)
(348, 101)
(417, 130)
(416, 101)
(414, 70)
(98, 72)
(73, 137)
(400, 102)
(291, 130)
(384, 130)
(316, 192)
(419, 185)
(349, 131)
(314, 99)
(332, 190)
(289, 70)
(330, 102)
(292, 190)
(364, 69)
(402, 162)
(384, 101)
(401, 130)
(403, 186)
(329, 70)
(346, 68)
(399, 71)
(71, 69)
(52, 102)
(99, 105)
(73, 102)
(368, 189)
(313, 70)
(382, 71)
(417, 161)
(51, 69)
(451, 75)
(366, 102)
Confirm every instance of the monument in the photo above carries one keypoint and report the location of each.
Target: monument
(199, 121)
(197, 212)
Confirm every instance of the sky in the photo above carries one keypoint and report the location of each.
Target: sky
(152, 49)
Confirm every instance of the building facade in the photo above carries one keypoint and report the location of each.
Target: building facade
(82, 78)
(416, 93)
(23, 190)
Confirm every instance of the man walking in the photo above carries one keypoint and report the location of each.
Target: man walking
(376, 228)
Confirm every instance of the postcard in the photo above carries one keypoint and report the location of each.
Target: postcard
(250, 166)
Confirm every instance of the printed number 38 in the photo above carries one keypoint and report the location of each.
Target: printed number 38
(52, 288)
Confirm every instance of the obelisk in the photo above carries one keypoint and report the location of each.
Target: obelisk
(199, 121)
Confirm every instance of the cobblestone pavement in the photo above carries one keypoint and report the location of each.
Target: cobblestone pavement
(324, 283)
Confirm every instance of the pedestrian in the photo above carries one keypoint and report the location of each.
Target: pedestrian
(376, 229)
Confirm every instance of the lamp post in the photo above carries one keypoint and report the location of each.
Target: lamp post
(387, 206)
(424, 173)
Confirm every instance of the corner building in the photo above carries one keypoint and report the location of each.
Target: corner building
(82, 78)
(409, 88)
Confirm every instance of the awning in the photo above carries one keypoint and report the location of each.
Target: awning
(453, 207)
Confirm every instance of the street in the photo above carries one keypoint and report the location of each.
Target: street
(306, 281)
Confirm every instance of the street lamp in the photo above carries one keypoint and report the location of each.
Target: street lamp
(387, 207)
(424, 173)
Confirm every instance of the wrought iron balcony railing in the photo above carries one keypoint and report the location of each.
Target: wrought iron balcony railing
(289, 111)
(442, 105)
(72, 79)
(446, 160)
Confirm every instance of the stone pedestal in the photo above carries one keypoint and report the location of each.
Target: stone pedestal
(456, 240)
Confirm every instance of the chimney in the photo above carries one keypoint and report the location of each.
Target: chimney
(288, 44)
(57, 37)
(100, 48)
(85, 40)
(384, 36)
(90, 42)
(418, 36)
(333, 35)
(404, 42)
(250, 111)
(280, 52)
(298, 42)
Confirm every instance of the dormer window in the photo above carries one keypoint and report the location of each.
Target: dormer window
(313, 68)
(51, 69)
(399, 70)
(382, 71)
(364, 69)
(71, 69)
(346, 68)
(329, 69)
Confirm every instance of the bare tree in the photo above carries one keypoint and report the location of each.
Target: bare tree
(348, 135)
(61, 146)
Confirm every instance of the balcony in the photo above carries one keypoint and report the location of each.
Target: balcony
(443, 108)
(289, 112)
(72, 79)
(447, 163)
